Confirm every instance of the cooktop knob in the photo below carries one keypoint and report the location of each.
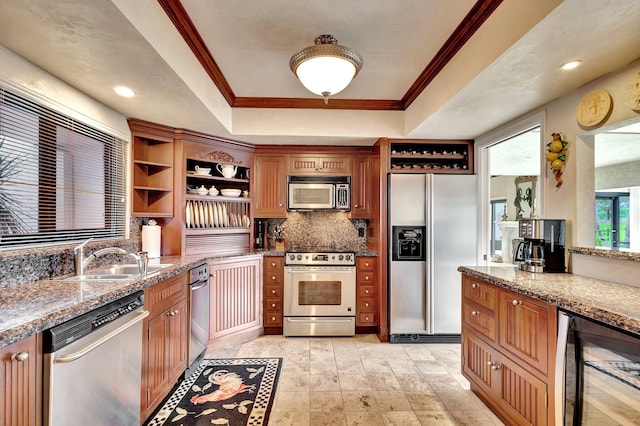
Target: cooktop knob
(340, 257)
(292, 256)
(299, 257)
(347, 257)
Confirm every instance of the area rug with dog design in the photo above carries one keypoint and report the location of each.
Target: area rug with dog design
(230, 392)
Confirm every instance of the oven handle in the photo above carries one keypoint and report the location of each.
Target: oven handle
(85, 350)
(320, 320)
(302, 269)
(561, 353)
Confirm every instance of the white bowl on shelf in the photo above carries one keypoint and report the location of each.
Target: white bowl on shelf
(231, 192)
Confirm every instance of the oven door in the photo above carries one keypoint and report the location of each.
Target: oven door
(319, 291)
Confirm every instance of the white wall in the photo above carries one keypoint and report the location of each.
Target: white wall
(26, 79)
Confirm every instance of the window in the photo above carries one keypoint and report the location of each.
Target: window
(612, 219)
(60, 180)
(498, 209)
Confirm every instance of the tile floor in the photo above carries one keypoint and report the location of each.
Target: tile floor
(359, 381)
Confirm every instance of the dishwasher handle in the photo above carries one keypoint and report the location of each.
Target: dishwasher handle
(85, 350)
(198, 285)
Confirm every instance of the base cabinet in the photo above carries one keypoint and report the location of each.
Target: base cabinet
(236, 299)
(273, 286)
(20, 378)
(165, 334)
(508, 345)
(366, 283)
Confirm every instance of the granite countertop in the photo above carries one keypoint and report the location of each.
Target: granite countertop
(614, 304)
(33, 307)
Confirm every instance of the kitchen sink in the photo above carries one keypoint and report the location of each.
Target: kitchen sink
(116, 272)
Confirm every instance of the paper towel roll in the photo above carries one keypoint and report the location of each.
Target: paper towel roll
(151, 240)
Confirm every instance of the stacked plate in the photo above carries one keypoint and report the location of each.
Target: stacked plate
(209, 214)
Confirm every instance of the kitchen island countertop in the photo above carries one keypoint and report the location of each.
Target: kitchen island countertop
(29, 308)
(614, 304)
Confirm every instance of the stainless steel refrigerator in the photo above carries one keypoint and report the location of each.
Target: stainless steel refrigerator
(432, 231)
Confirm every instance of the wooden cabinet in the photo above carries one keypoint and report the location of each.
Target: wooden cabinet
(152, 170)
(273, 285)
(361, 187)
(366, 282)
(517, 392)
(270, 200)
(430, 156)
(305, 164)
(508, 345)
(165, 330)
(21, 381)
(236, 299)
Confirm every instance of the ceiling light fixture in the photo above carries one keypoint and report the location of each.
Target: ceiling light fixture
(124, 91)
(326, 68)
(571, 65)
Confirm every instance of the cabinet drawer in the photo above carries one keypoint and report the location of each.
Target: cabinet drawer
(483, 321)
(365, 304)
(365, 290)
(273, 305)
(366, 277)
(366, 318)
(166, 293)
(365, 264)
(273, 320)
(480, 292)
(273, 265)
(273, 278)
(273, 292)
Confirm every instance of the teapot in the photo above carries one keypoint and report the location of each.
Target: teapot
(227, 170)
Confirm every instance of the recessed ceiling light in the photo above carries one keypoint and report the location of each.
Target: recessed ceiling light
(124, 91)
(571, 65)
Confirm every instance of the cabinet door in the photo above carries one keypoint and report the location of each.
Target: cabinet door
(361, 187)
(524, 329)
(236, 296)
(511, 389)
(304, 164)
(21, 390)
(166, 356)
(270, 200)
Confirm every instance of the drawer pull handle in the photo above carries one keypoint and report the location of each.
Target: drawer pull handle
(493, 365)
(366, 291)
(273, 318)
(475, 285)
(517, 302)
(475, 313)
(273, 305)
(366, 318)
(366, 304)
(366, 277)
(366, 263)
(20, 356)
(273, 278)
(273, 292)
(273, 264)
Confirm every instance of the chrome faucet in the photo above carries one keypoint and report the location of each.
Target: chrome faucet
(81, 262)
(142, 259)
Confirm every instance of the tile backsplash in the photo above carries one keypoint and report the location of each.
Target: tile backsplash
(329, 230)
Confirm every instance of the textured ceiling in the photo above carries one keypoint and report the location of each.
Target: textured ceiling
(508, 67)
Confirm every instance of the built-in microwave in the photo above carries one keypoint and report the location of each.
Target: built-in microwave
(318, 193)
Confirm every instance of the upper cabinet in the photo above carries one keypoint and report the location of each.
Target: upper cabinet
(361, 186)
(152, 170)
(271, 177)
(429, 156)
(330, 164)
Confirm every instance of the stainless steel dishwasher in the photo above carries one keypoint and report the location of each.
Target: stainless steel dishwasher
(92, 366)
(199, 318)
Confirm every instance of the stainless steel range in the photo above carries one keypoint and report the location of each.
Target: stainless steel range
(319, 294)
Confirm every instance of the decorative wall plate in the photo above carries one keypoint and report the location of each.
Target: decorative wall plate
(594, 107)
(632, 92)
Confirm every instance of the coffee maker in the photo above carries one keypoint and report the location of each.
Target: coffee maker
(542, 245)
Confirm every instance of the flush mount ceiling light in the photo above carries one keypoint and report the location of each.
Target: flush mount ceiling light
(571, 65)
(326, 68)
(124, 91)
